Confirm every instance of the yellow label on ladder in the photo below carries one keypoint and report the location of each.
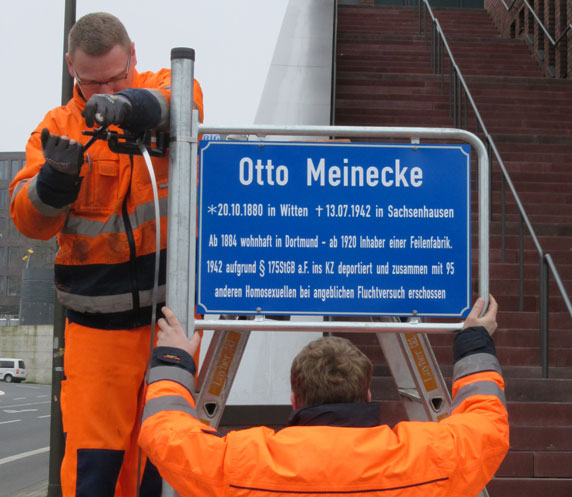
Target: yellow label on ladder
(224, 362)
(421, 363)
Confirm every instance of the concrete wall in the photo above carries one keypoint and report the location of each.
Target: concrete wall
(34, 345)
(298, 84)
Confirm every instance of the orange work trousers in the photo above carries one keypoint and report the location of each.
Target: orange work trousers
(101, 402)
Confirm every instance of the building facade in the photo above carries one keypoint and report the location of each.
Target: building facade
(20, 257)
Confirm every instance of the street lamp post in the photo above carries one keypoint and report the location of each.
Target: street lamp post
(57, 443)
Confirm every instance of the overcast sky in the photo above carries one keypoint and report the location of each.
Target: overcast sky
(233, 40)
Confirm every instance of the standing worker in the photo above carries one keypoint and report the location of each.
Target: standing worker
(334, 442)
(100, 207)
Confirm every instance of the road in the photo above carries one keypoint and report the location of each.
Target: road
(24, 436)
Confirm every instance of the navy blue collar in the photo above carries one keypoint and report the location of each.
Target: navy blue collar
(362, 415)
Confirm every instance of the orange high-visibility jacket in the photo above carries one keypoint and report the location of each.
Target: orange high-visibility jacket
(331, 449)
(104, 267)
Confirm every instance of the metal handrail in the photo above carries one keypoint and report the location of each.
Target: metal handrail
(539, 22)
(545, 259)
(334, 65)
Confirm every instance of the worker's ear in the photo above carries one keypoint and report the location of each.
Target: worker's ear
(368, 395)
(133, 55)
(70, 67)
(293, 401)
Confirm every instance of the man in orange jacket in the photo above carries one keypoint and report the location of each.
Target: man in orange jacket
(100, 207)
(334, 442)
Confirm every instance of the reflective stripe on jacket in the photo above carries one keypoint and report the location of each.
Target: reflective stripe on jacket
(336, 453)
(104, 267)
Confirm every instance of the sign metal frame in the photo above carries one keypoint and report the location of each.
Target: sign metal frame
(284, 133)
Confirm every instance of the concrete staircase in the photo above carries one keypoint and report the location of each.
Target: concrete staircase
(384, 78)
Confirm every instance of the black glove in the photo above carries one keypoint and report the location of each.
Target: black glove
(58, 181)
(61, 153)
(103, 110)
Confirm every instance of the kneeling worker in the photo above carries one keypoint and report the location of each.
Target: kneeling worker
(334, 442)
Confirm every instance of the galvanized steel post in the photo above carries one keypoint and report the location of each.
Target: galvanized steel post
(180, 280)
(180, 291)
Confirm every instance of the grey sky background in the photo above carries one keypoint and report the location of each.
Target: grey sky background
(233, 39)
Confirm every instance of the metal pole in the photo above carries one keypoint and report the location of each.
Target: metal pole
(67, 80)
(458, 104)
(454, 109)
(178, 235)
(451, 89)
(182, 197)
(503, 209)
(521, 266)
(334, 65)
(441, 56)
(57, 441)
(490, 156)
(543, 311)
(433, 49)
(464, 118)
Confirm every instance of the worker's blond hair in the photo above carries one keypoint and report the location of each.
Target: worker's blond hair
(330, 370)
(97, 34)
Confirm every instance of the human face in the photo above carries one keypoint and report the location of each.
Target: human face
(108, 73)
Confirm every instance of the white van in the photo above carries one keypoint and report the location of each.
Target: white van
(12, 370)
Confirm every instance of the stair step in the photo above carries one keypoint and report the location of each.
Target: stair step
(411, 121)
(512, 271)
(375, 68)
(517, 390)
(544, 224)
(529, 487)
(524, 356)
(513, 241)
(531, 127)
(524, 372)
(539, 414)
(507, 287)
(531, 181)
(372, 106)
(517, 357)
(500, 110)
(530, 143)
(519, 337)
(521, 414)
(518, 100)
(507, 83)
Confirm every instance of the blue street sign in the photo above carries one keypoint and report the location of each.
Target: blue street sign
(334, 229)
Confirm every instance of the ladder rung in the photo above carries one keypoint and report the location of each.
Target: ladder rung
(410, 393)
